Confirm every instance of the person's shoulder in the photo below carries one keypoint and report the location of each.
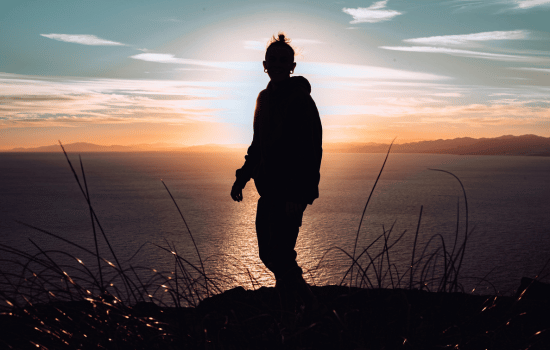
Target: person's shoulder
(301, 92)
(262, 93)
(301, 85)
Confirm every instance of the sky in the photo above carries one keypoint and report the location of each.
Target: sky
(188, 72)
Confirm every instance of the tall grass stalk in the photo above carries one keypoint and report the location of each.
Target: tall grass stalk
(463, 248)
(125, 278)
(365, 208)
(93, 223)
(437, 268)
(190, 234)
(54, 276)
(414, 247)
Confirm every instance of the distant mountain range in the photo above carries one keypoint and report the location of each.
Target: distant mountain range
(530, 145)
(527, 145)
(91, 147)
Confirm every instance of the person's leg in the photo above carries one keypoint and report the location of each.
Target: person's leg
(277, 234)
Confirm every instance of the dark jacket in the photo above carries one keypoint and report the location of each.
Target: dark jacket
(285, 155)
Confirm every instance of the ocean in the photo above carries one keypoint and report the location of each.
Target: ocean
(508, 200)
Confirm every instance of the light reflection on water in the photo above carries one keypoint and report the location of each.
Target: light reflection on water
(508, 202)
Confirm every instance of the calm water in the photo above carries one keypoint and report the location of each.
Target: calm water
(508, 198)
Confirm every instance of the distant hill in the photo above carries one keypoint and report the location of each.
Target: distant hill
(83, 147)
(77, 147)
(530, 145)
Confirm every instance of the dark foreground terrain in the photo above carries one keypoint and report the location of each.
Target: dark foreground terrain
(345, 318)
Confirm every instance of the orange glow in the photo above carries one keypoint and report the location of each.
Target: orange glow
(185, 134)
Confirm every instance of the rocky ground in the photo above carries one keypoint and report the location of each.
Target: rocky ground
(345, 318)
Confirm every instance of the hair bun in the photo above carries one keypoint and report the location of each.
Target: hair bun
(280, 40)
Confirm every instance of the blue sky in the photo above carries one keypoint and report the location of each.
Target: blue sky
(186, 73)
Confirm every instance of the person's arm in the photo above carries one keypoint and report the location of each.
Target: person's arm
(252, 159)
(244, 174)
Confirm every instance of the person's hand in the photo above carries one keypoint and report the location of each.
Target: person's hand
(236, 192)
(293, 209)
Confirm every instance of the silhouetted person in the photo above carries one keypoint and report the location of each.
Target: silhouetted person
(284, 160)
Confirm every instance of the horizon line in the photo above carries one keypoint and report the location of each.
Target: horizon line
(159, 146)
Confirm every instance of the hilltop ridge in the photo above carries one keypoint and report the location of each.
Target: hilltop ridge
(531, 145)
(503, 145)
(91, 147)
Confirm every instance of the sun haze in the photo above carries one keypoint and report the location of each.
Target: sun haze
(188, 73)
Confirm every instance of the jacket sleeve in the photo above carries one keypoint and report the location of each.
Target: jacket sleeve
(304, 151)
(252, 158)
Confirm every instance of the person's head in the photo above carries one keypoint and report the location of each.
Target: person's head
(279, 58)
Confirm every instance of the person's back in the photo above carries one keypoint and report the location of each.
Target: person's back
(288, 131)
(284, 159)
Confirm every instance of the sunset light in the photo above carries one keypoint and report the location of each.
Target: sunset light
(295, 174)
(189, 73)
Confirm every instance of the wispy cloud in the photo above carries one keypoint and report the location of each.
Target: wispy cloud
(490, 110)
(465, 39)
(164, 58)
(362, 72)
(377, 12)
(84, 39)
(544, 70)
(314, 68)
(444, 44)
(448, 94)
(481, 121)
(169, 58)
(489, 113)
(463, 53)
(27, 99)
(528, 4)
(508, 4)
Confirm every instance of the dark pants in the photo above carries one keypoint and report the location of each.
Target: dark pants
(277, 233)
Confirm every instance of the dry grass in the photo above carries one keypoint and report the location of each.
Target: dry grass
(55, 301)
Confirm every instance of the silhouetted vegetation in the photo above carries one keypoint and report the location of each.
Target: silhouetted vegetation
(55, 301)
